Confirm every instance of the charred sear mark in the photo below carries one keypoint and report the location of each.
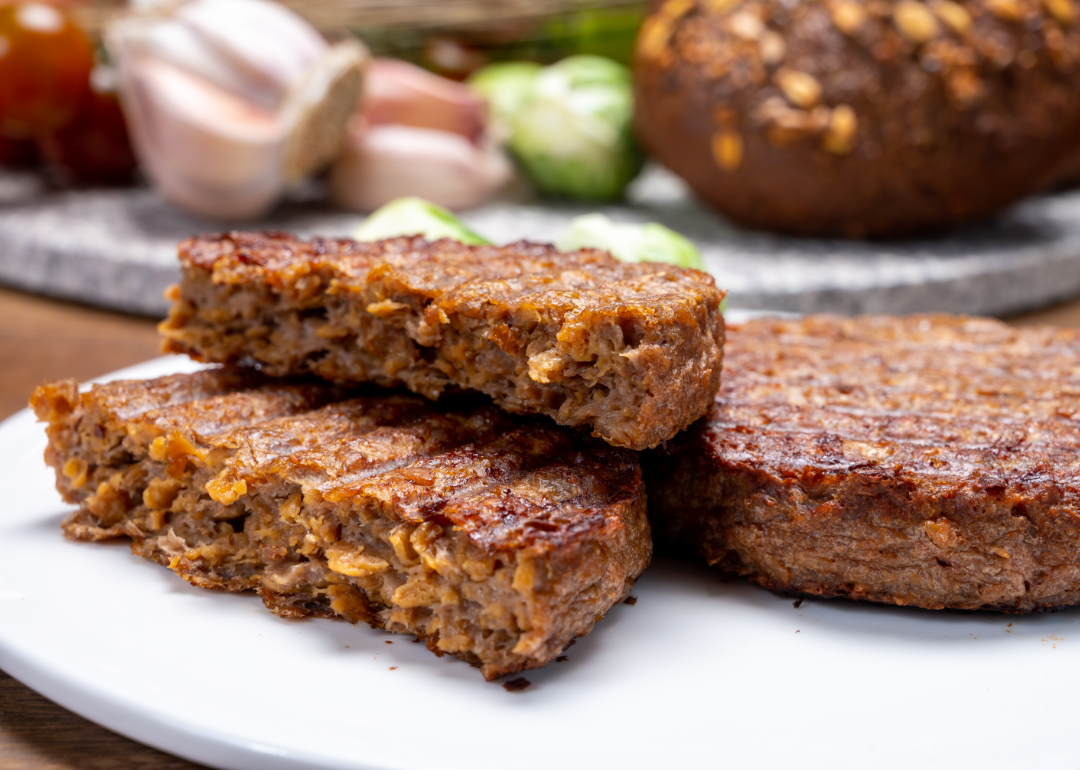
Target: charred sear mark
(517, 685)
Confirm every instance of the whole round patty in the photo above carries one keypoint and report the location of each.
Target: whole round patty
(930, 461)
(860, 119)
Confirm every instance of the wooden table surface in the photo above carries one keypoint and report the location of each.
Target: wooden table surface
(42, 339)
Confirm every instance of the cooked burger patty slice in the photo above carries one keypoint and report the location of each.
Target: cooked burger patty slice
(929, 461)
(495, 538)
(107, 442)
(631, 351)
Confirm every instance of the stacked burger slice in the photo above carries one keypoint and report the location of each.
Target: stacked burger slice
(303, 469)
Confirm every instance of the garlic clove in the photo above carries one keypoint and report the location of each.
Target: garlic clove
(245, 46)
(402, 93)
(269, 43)
(231, 101)
(181, 46)
(383, 162)
(319, 107)
(207, 150)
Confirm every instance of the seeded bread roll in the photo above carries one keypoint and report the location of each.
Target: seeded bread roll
(860, 119)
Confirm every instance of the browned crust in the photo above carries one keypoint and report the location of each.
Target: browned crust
(564, 515)
(930, 461)
(109, 428)
(631, 351)
(860, 118)
(542, 528)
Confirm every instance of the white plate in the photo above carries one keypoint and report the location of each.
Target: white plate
(700, 672)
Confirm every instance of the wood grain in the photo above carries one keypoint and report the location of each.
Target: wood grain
(42, 339)
(36, 733)
(1065, 314)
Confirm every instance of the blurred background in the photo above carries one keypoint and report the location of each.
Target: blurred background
(839, 156)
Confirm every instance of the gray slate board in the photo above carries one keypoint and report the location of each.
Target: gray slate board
(116, 248)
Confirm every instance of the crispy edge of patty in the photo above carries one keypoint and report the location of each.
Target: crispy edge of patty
(795, 479)
(549, 585)
(632, 351)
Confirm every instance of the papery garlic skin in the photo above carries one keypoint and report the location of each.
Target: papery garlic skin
(401, 93)
(206, 150)
(418, 134)
(230, 101)
(265, 41)
(320, 107)
(381, 163)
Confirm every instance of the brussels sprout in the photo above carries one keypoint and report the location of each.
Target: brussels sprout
(569, 125)
(506, 86)
(629, 242)
(574, 135)
(415, 216)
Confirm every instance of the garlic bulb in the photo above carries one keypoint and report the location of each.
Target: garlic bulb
(402, 93)
(381, 163)
(230, 101)
(418, 134)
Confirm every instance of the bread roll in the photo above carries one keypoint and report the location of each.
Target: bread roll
(860, 119)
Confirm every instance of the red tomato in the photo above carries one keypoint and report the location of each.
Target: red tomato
(45, 63)
(93, 146)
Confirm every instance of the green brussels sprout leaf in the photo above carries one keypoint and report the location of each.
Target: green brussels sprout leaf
(574, 136)
(629, 242)
(415, 216)
(568, 125)
(507, 86)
